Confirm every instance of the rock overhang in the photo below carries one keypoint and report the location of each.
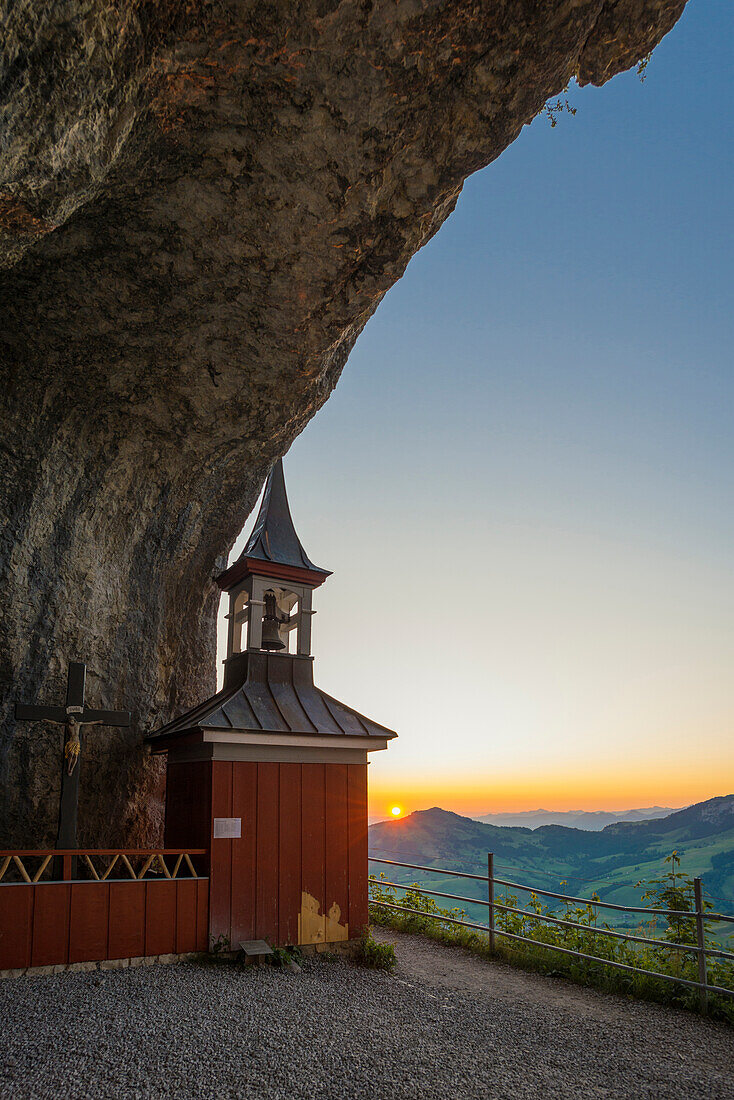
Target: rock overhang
(201, 205)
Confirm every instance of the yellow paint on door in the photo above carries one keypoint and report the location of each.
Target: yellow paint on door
(314, 927)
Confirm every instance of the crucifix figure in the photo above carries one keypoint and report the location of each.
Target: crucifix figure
(73, 716)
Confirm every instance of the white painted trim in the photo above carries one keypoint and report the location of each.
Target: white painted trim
(294, 740)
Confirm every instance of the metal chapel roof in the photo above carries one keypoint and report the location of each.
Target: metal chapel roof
(273, 693)
(274, 537)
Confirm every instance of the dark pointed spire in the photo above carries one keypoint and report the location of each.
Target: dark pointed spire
(274, 537)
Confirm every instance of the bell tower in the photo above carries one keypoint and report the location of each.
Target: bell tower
(270, 774)
(271, 584)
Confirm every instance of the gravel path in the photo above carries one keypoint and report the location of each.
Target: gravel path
(444, 1026)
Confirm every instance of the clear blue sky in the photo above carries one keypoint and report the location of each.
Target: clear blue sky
(524, 481)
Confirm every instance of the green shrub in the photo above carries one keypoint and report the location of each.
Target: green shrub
(378, 956)
(284, 956)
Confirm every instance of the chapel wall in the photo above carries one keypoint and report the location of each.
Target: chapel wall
(298, 871)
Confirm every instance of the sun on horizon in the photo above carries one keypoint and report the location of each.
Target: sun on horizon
(396, 811)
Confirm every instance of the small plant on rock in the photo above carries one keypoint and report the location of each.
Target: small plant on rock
(220, 946)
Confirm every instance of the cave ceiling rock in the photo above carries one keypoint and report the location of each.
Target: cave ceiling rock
(202, 202)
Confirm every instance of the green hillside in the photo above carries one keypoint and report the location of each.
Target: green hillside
(609, 862)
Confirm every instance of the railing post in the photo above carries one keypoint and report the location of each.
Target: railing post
(701, 941)
(490, 899)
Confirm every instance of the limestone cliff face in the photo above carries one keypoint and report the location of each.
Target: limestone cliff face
(201, 204)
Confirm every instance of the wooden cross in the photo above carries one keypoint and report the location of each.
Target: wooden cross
(73, 716)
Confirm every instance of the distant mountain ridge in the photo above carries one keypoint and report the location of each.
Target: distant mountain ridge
(592, 820)
(610, 860)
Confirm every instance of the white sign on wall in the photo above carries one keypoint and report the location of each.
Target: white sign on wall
(227, 828)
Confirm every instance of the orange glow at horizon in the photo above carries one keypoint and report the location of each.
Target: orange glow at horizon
(509, 794)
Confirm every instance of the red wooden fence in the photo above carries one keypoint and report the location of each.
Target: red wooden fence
(58, 922)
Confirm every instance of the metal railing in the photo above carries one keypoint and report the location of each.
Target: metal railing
(35, 866)
(698, 915)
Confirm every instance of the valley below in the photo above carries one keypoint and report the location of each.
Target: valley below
(615, 862)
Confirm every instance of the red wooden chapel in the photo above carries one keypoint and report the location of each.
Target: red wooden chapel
(270, 774)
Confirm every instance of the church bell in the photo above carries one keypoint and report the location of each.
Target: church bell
(270, 635)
